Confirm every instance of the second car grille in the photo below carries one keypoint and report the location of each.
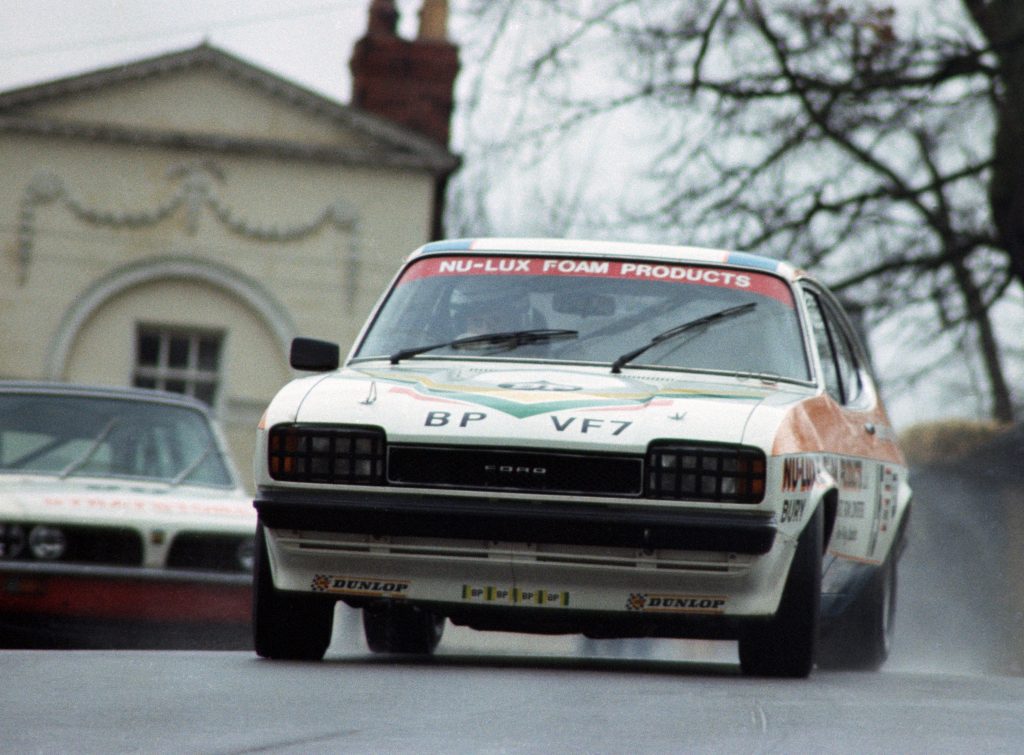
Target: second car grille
(101, 546)
(198, 550)
(503, 469)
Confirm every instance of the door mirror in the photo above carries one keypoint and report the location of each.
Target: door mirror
(313, 355)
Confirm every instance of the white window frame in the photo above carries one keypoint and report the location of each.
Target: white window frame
(163, 376)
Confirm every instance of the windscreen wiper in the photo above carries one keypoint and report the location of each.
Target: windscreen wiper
(505, 341)
(82, 460)
(188, 471)
(680, 329)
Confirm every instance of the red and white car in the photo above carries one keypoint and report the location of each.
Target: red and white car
(122, 521)
(610, 439)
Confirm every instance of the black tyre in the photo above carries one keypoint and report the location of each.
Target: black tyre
(861, 638)
(398, 628)
(287, 626)
(786, 645)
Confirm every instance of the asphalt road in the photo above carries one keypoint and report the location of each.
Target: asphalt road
(953, 684)
(489, 693)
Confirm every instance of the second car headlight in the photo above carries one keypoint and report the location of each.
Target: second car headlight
(47, 543)
(12, 540)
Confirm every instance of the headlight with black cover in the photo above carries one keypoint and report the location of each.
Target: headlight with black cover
(721, 474)
(326, 454)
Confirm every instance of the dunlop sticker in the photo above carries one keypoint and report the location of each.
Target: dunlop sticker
(363, 586)
(664, 603)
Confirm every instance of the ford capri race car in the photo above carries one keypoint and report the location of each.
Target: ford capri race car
(615, 440)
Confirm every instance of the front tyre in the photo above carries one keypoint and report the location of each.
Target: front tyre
(398, 628)
(785, 646)
(286, 626)
(862, 639)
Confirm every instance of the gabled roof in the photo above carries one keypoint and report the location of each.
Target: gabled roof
(391, 144)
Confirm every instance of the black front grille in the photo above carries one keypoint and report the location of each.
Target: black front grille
(103, 545)
(197, 550)
(670, 470)
(515, 470)
(100, 546)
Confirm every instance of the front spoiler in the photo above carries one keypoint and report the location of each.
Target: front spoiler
(414, 514)
(598, 624)
(120, 593)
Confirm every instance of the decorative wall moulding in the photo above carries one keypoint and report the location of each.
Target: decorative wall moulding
(196, 192)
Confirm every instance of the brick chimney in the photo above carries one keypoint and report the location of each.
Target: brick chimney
(408, 82)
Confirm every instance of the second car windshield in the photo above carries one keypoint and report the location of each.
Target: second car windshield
(91, 436)
(613, 306)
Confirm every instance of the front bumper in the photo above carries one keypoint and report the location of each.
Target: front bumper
(520, 519)
(529, 565)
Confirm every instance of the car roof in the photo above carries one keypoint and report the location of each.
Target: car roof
(623, 249)
(101, 391)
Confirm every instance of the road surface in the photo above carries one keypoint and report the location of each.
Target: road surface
(490, 693)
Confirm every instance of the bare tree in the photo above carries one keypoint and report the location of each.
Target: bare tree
(885, 151)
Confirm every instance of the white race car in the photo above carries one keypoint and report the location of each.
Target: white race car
(122, 522)
(610, 439)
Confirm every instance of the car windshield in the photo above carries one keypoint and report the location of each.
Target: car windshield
(65, 436)
(613, 307)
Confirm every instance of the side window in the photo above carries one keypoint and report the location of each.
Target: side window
(849, 374)
(826, 350)
(838, 358)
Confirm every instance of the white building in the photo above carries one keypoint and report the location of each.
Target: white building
(174, 222)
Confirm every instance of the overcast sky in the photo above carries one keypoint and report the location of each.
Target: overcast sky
(306, 41)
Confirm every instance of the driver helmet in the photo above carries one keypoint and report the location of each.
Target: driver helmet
(489, 306)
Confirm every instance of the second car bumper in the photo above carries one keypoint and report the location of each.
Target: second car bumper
(108, 593)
